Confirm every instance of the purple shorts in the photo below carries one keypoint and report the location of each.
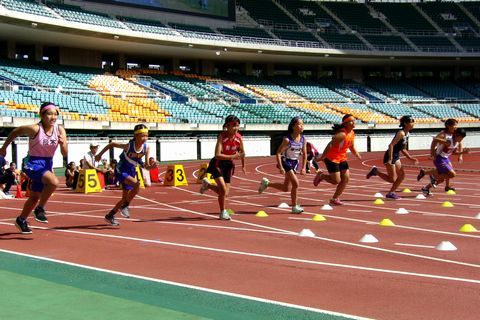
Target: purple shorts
(289, 164)
(443, 165)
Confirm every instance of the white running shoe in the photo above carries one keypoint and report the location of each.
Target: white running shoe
(224, 215)
(125, 212)
(263, 185)
(297, 209)
(205, 184)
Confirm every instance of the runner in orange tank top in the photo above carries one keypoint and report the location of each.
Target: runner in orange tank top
(335, 157)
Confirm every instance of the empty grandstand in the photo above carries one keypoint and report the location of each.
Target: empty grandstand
(186, 68)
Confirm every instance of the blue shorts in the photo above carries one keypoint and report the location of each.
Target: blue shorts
(290, 164)
(122, 173)
(35, 168)
(442, 164)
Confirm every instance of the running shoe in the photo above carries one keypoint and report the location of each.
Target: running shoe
(433, 181)
(392, 195)
(297, 209)
(22, 225)
(426, 192)
(372, 172)
(336, 202)
(263, 185)
(39, 214)
(317, 179)
(205, 184)
(224, 215)
(111, 220)
(449, 188)
(125, 212)
(421, 174)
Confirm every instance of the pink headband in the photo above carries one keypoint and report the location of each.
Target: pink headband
(48, 107)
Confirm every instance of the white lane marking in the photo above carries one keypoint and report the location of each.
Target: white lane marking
(179, 284)
(414, 245)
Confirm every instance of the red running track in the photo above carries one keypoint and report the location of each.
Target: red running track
(175, 235)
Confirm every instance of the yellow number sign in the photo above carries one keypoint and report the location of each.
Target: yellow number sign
(88, 181)
(175, 176)
(202, 173)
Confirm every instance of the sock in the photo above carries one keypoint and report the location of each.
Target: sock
(125, 204)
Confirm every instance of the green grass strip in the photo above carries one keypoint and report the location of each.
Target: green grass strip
(41, 289)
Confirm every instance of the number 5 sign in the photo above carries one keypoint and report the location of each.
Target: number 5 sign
(175, 176)
(88, 181)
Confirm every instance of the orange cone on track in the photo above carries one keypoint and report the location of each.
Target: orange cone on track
(19, 193)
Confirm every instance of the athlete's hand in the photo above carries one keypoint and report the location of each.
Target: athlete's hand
(303, 171)
(415, 160)
(61, 139)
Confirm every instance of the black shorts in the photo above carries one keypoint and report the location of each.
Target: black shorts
(395, 157)
(336, 167)
(221, 168)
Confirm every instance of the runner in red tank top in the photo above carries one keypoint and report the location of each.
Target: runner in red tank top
(229, 147)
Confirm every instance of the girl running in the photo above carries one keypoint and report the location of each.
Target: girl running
(44, 138)
(292, 148)
(229, 147)
(335, 157)
(445, 134)
(125, 171)
(443, 166)
(391, 159)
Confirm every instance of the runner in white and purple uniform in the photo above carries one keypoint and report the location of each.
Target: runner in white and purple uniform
(451, 144)
(293, 147)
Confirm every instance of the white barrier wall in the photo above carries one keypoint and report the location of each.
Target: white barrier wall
(420, 142)
(472, 140)
(178, 149)
(257, 146)
(380, 143)
(187, 148)
(319, 142)
(207, 147)
(361, 143)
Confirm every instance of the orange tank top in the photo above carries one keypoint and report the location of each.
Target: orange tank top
(338, 153)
